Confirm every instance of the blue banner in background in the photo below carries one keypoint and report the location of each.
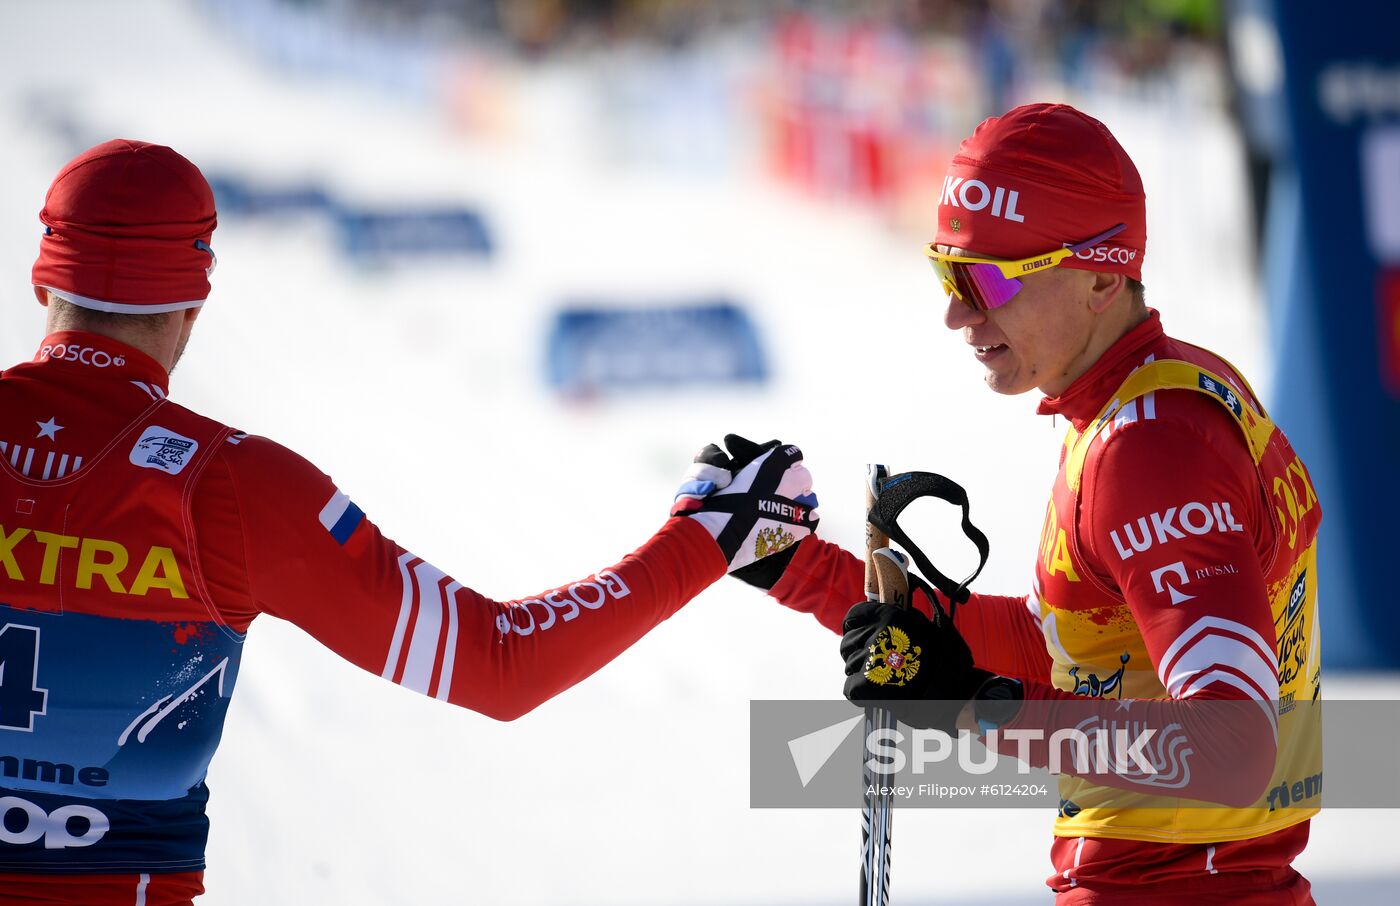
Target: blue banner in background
(239, 196)
(1332, 274)
(378, 235)
(593, 348)
(364, 234)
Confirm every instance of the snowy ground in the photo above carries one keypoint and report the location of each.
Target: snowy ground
(422, 394)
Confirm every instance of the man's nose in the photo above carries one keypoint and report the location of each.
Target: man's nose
(959, 314)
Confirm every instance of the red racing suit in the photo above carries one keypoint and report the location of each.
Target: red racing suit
(1177, 564)
(138, 540)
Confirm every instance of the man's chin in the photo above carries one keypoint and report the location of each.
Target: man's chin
(1006, 385)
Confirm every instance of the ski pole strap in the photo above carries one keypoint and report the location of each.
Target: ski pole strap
(896, 493)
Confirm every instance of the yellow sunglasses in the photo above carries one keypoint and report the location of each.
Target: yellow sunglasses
(987, 283)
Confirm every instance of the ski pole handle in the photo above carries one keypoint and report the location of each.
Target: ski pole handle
(874, 538)
(886, 579)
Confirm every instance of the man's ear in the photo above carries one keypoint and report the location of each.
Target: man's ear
(1107, 287)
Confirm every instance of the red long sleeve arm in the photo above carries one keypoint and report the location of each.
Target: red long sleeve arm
(276, 536)
(1004, 636)
(824, 580)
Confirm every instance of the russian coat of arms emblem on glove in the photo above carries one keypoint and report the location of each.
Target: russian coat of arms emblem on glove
(770, 541)
(891, 661)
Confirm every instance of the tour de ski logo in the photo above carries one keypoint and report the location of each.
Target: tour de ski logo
(891, 662)
(163, 449)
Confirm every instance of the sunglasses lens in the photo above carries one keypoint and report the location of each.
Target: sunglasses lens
(955, 283)
(980, 286)
(987, 282)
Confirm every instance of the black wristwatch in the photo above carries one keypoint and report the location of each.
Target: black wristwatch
(997, 701)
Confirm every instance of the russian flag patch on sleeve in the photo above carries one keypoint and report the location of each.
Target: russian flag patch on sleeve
(340, 517)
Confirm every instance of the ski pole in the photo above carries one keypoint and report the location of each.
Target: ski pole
(886, 581)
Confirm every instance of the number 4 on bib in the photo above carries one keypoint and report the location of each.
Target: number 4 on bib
(20, 695)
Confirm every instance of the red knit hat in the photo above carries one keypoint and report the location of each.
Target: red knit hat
(1041, 177)
(128, 226)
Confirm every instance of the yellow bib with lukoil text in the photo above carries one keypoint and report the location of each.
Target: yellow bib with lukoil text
(1098, 650)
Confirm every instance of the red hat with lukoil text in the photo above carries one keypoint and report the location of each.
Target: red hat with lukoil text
(1039, 178)
(127, 226)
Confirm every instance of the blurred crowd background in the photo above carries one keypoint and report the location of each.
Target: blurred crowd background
(855, 100)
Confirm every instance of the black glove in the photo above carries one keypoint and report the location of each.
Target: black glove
(920, 669)
(756, 501)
